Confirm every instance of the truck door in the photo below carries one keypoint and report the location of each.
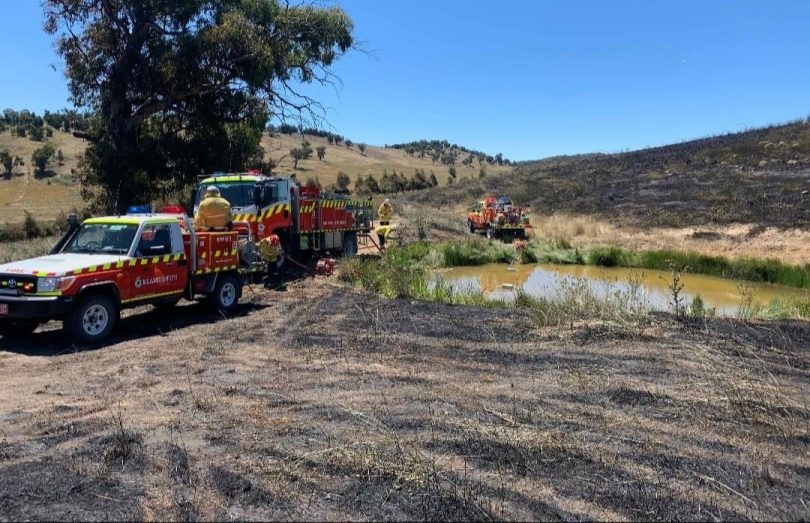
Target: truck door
(162, 268)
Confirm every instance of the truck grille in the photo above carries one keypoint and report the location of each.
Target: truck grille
(16, 284)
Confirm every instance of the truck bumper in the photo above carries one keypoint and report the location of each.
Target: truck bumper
(35, 307)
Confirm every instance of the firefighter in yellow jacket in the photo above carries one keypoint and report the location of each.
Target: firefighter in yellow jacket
(214, 212)
(386, 212)
(270, 251)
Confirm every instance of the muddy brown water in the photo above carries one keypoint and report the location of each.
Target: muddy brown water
(550, 280)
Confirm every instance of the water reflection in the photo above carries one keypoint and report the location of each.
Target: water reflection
(501, 281)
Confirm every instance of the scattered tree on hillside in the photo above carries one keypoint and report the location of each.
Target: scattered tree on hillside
(48, 132)
(451, 171)
(7, 161)
(321, 150)
(349, 144)
(42, 156)
(499, 158)
(301, 153)
(362, 148)
(60, 157)
(21, 131)
(330, 140)
(433, 181)
(434, 157)
(482, 172)
(168, 80)
(36, 134)
(343, 181)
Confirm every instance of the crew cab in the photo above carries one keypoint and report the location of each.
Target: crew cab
(110, 263)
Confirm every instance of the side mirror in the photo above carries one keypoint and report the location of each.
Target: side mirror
(158, 250)
(73, 221)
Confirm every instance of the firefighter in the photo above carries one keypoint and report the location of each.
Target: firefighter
(386, 212)
(384, 233)
(214, 212)
(270, 251)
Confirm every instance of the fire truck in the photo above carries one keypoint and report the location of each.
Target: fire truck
(306, 220)
(498, 218)
(110, 263)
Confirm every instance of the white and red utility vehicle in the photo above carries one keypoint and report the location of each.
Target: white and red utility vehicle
(109, 263)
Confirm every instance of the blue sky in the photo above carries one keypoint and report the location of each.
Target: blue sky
(527, 78)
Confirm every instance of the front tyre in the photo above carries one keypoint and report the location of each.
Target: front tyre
(227, 291)
(471, 226)
(92, 320)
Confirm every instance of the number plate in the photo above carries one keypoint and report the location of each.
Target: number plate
(3, 309)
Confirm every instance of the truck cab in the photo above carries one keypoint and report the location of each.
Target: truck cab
(113, 262)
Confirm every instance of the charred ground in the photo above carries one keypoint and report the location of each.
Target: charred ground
(760, 176)
(327, 402)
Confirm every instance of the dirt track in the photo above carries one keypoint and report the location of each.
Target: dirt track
(325, 402)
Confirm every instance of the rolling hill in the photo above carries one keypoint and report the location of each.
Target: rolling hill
(57, 191)
(759, 176)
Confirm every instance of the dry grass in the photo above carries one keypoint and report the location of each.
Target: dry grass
(45, 196)
(12, 251)
(328, 403)
(373, 162)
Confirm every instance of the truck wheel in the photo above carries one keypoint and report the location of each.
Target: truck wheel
(18, 328)
(471, 226)
(349, 244)
(227, 291)
(490, 234)
(92, 320)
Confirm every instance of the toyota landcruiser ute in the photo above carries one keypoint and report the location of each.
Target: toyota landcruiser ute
(110, 263)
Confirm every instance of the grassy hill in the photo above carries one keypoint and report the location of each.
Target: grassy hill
(47, 195)
(758, 176)
(44, 195)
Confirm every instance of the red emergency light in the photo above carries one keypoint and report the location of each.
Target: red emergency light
(173, 209)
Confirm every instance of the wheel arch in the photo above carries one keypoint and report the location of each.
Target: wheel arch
(108, 289)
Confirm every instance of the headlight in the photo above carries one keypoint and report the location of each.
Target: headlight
(54, 284)
(47, 284)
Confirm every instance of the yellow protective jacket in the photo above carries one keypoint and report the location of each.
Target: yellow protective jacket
(385, 212)
(214, 213)
(268, 251)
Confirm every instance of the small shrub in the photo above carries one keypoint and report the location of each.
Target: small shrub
(697, 308)
(31, 226)
(610, 257)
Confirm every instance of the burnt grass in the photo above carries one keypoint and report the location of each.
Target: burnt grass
(325, 402)
(758, 176)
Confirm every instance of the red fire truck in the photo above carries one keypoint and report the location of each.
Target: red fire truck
(306, 220)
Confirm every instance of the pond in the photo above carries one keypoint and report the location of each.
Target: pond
(549, 280)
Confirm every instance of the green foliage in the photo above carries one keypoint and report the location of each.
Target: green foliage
(349, 144)
(608, 257)
(321, 150)
(41, 156)
(362, 148)
(301, 153)
(343, 181)
(184, 88)
(6, 161)
(31, 227)
(451, 171)
(36, 134)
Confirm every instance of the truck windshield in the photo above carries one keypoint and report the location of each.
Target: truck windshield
(238, 194)
(102, 238)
